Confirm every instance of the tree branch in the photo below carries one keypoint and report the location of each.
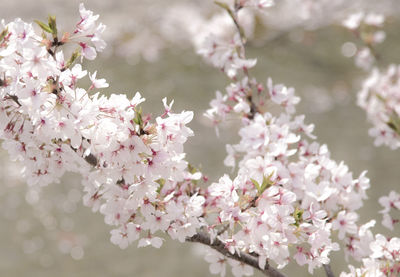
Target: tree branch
(91, 159)
(241, 257)
(328, 270)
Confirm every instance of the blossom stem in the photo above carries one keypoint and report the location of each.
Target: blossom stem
(240, 257)
(233, 15)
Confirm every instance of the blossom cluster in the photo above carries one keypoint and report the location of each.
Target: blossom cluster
(380, 98)
(226, 55)
(288, 193)
(289, 187)
(287, 200)
(384, 259)
(134, 171)
(366, 27)
(389, 202)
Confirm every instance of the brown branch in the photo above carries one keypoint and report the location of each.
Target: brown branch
(328, 270)
(240, 257)
(220, 232)
(91, 159)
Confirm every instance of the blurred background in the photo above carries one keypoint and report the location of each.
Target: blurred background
(299, 43)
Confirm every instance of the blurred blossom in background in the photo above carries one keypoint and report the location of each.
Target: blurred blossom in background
(152, 48)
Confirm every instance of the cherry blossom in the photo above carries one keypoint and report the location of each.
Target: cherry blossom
(366, 27)
(97, 83)
(379, 98)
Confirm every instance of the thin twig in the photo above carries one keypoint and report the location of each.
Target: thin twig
(14, 98)
(234, 16)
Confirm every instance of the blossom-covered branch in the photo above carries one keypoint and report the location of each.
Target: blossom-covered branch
(52, 125)
(267, 176)
(288, 200)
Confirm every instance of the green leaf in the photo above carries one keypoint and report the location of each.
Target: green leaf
(256, 184)
(44, 26)
(222, 5)
(380, 97)
(161, 182)
(3, 34)
(74, 56)
(267, 182)
(53, 25)
(192, 169)
(298, 216)
(394, 123)
(138, 119)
